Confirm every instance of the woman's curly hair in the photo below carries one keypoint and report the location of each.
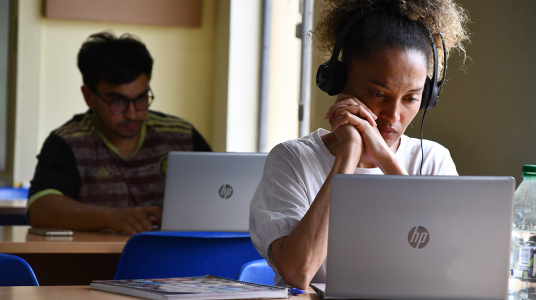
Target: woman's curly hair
(437, 16)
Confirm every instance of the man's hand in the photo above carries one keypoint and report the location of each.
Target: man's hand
(134, 220)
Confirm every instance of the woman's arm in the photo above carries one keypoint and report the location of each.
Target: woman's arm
(299, 255)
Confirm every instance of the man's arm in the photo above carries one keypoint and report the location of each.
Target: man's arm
(57, 178)
(199, 142)
(58, 211)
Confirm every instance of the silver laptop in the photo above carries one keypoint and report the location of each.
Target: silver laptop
(209, 191)
(419, 237)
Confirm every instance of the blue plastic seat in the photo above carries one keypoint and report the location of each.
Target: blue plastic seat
(180, 254)
(15, 271)
(257, 271)
(10, 193)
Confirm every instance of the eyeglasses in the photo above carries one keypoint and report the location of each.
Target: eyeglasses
(119, 104)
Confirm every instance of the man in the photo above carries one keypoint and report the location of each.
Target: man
(104, 169)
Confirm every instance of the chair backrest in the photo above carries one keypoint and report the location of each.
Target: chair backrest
(181, 254)
(10, 193)
(257, 271)
(15, 271)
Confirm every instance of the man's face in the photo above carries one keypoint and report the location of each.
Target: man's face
(123, 125)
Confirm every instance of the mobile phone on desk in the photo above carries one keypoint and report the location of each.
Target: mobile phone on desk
(50, 231)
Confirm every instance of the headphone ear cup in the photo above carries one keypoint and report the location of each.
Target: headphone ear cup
(339, 79)
(425, 99)
(322, 77)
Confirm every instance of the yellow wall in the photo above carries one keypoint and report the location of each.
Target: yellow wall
(182, 72)
(48, 81)
(243, 76)
(485, 115)
(320, 101)
(208, 75)
(221, 76)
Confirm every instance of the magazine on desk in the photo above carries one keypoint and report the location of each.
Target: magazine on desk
(198, 287)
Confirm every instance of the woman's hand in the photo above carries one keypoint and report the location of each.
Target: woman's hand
(347, 133)
(361, 109)
(349, 110)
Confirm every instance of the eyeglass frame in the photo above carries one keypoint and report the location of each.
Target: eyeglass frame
(150, 97)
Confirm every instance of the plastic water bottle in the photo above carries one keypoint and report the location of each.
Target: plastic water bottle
(522, 284)
(524, 203)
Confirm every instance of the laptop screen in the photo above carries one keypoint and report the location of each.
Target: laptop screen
(209, 191)
(434, 237)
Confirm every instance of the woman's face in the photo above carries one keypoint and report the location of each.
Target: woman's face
(390, 82)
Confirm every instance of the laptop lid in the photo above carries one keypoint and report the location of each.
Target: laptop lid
(433, 237)
(209, 191)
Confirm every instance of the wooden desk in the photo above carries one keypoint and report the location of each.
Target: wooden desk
(73, 260)
(16, 239)
(13, 205)
(80, 293)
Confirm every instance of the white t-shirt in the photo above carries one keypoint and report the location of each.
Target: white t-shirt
(295, 171)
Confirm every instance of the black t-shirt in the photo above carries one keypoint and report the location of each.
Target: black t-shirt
(57, 168)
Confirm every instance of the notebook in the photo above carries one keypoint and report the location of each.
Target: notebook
(419, 237)
(209, 191)
(198, 287)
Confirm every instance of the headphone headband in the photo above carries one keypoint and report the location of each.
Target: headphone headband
(342, 35)
(326, 74)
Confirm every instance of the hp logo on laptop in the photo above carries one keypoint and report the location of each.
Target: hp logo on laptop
(226, 191)
(418, 237)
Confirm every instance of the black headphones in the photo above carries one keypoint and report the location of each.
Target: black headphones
(331, 75)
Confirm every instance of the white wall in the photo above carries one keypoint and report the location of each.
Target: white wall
(243, 76)
(28, 86)
(284, 91)
(240, 83)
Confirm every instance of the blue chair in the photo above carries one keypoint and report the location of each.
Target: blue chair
(15, 271)
(10, 193)
(257, 271)
(180, 254)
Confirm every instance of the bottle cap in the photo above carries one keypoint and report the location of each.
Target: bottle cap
(529, 171)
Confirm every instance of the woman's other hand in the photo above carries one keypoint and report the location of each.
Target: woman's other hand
(343, 101)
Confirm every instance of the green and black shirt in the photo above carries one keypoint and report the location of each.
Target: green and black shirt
(77, 161)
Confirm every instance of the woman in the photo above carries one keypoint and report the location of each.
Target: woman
(387, 55)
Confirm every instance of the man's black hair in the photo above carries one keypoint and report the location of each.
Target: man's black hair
(104, 57)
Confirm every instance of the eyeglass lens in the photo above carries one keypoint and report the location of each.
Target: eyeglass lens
(120, 104)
